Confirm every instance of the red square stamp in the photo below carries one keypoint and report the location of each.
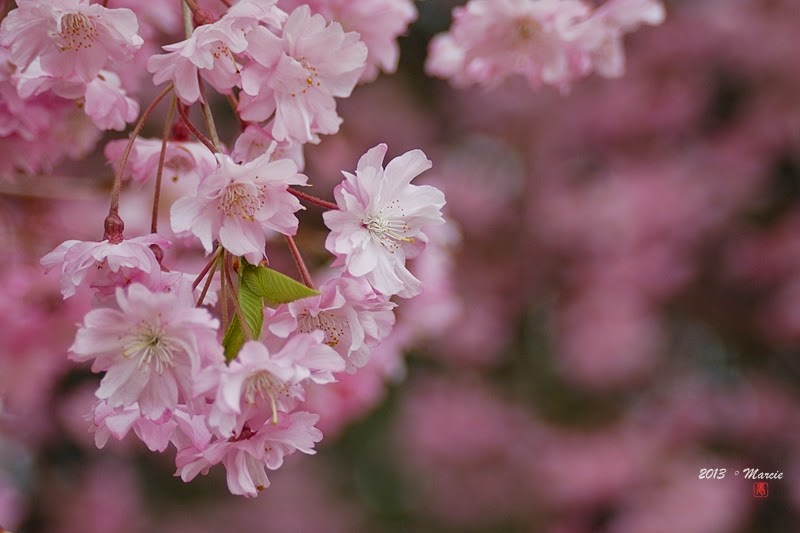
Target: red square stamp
(760, 489)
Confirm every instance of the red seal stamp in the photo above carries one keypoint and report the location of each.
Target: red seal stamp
(760, 489)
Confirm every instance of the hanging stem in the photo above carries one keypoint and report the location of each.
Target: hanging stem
(234, 102)
(237, 306)
(161, 158)
(207, 116)
(200, 137)
(313, 199)
(208, 266)
(210, 277)
(224, 293)
(298, 260)
(114, 209)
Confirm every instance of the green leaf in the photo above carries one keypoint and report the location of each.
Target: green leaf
(253, 310)
(272, 286)
(233, 340)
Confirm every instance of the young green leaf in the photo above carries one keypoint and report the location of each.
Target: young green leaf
(275, 288)
(253, 310)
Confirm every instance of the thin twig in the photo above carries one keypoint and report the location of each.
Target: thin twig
(161, 158)
(298, 260)
(113, 210)
(223, 293)
(234, 102)
(208, 117)
(207, 267)
(208, 282)
(200, 137)
(313, 199)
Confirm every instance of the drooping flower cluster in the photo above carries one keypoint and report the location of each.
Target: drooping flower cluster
(70, 48)
(378, 23)
(551, 42)
(217, 364)
(291, 67)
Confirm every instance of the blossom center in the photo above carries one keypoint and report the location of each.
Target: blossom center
(312, 77)
(221, 50)
(239, 200)
(327, 322)
(388, 231)
(524, 30)
(265, 386)
(150, 346)
(77, 31)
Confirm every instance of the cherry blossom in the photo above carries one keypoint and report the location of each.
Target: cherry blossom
(70, 37)
(108, 422)
(104, 265)
(255, 141)
(380, 220)
(185, 161)
(211, 51)
(107, 104)
(490, 40)
(549, 42)
(298, 75)
(150, 348)
(237, 204)
(378, 22)
(353, 318)
(265, 383)
(247, 455)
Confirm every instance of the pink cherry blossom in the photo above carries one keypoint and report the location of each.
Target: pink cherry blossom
(71, 37)
(255, 141)
(353, 318)
(378, 22)
(247, 455)
(150, 348)
(547, 41)
(490, 40)
(104, 265)
(107, 104)
(108, 422)
(259, 382)
(185, 161)
(380, 220)
(211, 51)
(298, 75)
(601, 35)
(34, 127)
(237, 204)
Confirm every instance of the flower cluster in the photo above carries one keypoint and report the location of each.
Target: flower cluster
(552, 42)
(70, 48)
(217, 363)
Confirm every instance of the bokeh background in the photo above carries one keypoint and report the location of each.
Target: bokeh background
(614, 306)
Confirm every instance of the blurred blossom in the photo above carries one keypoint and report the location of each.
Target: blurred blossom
(608, 336)
(468, 453)
(611, 307)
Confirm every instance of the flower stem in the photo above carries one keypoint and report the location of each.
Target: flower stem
(313, 199)
(114, 209)
(200, 137)
(211, 273)
(223, 293)
(161, 158)
(298, 260)
(208, 117)
(206, 268)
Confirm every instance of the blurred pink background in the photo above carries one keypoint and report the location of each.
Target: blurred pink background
(614, 307)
